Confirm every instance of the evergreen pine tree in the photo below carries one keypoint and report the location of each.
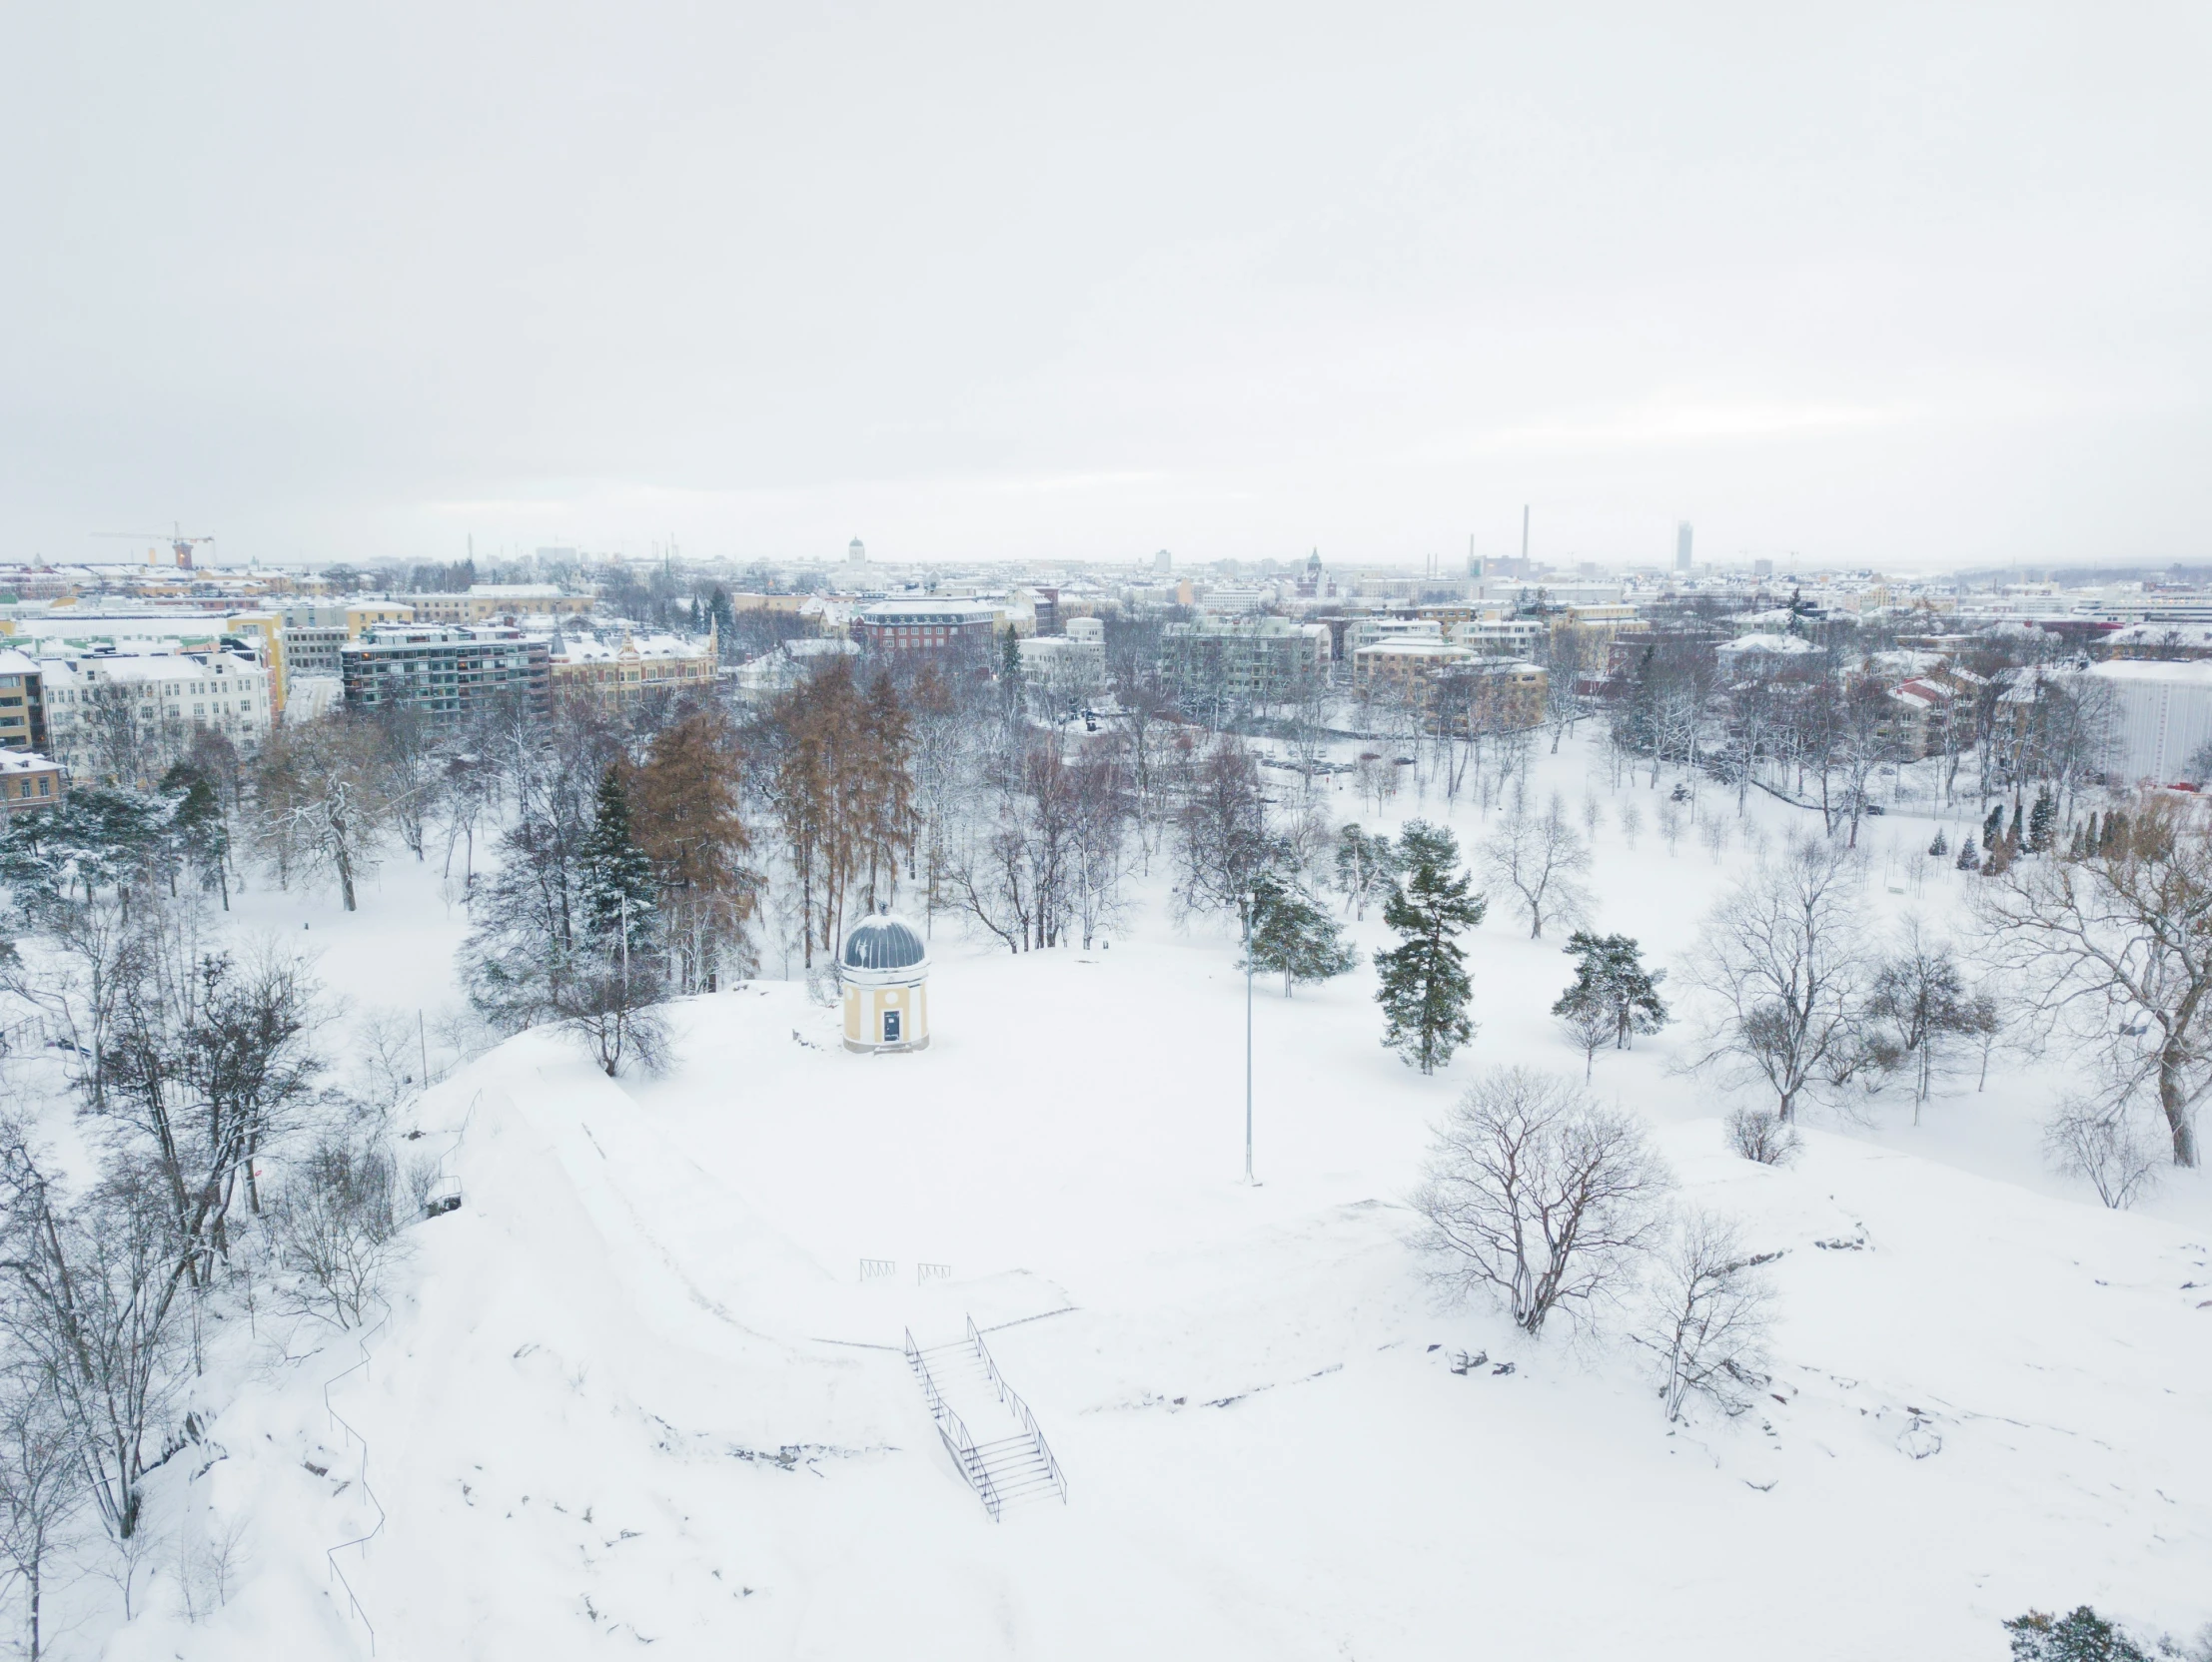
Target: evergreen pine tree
(2083, 1636)
(203, 835)
(723, 616)
(2041, 820)
(1294, 935)
(1425, 989)
(1939, 848)
(1969, 859)
(1993, 827)
(2015, 835)
(613, 876)
(2114, 838)
(1609, 976)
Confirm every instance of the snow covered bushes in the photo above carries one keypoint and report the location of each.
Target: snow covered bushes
(1766, 1138)
(1534, 1192)
(2098, 1140)
(335, 1226)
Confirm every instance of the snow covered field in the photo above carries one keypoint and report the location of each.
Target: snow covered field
(637, 1391)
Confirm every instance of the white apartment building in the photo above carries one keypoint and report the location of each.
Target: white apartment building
(161, 698)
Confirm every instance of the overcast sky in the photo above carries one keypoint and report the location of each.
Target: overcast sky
(1902, 285)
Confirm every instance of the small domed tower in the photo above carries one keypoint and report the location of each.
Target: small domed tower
(885, 973)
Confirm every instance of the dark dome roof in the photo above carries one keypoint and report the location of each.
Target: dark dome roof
(884, 943)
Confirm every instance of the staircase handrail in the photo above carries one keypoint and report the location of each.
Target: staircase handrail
(954, 1432)
(1012, 1398)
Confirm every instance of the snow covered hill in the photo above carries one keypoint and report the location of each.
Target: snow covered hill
(637, 1391)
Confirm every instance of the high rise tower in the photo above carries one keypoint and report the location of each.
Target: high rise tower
(1682, 546)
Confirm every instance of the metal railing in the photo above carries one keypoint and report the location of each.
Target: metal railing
(1012, 1398)
(953, 1429)
(330, 1554)
(353, 1436)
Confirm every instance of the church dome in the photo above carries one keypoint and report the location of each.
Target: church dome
(884, 943)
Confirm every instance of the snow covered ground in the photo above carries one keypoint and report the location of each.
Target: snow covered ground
(635, 1390)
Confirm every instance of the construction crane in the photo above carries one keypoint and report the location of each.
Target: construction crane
(179, 544)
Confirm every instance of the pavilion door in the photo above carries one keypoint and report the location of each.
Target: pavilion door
(890, 1026)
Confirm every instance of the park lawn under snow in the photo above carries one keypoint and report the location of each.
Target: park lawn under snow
(635, 1391)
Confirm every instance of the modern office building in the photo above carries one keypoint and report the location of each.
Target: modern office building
(1682, 546)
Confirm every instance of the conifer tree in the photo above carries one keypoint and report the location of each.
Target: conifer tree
(722, 616)
(2083, 1636)
(1424, 988)
(1939, 848)
(684, 803)
(1992, 828)
(1968, 858)
(616, 877)
(1294, 935)
(202, 832)
(2017, 830)
(1609, 976)
(2040, 822)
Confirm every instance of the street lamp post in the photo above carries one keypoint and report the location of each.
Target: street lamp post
(1251, 904)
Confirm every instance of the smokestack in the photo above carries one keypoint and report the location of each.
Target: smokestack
(1524, 532)
(1682, 546)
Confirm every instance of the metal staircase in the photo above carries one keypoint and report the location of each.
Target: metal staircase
(1011, 1461)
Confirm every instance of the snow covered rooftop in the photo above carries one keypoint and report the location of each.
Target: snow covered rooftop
(1766, 644)
(588, 650)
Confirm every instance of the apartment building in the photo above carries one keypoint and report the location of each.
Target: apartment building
(312, 650)
(444, 673)
(925, 626)
(29, 781)
(1242, 661)
(22, 703)
(120, 718)
(625, 670)
(488, 600)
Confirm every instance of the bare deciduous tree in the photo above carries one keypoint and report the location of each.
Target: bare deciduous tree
(1919, 1007)
(1782, 963)
(1591, 1027)
(335, 1219)
(1708, 1311)
(2118, 943)
(41, 1487)
(93, 1304)
(1534, 1190)
(1539, 859)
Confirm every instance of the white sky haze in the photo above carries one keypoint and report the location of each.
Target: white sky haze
(1902, 285)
